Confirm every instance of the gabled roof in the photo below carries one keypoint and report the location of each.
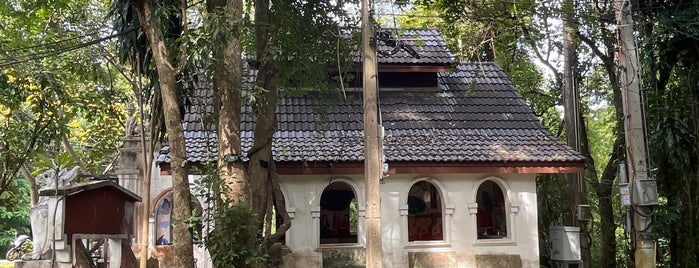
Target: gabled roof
(474, 116)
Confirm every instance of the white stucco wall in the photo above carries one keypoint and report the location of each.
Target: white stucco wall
(458, 191)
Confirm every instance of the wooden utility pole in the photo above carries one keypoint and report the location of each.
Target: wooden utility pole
(372, 154)
(637, 170)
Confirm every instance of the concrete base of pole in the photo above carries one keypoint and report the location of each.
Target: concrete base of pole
(645, 254)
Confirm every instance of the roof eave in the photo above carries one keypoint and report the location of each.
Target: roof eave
(432, 167)
(423, 167)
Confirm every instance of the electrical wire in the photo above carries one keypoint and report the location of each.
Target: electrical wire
(49, 44)
(4, 63)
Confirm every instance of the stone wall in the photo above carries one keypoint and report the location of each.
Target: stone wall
(498, 261)
(432, 260)
(343, 257)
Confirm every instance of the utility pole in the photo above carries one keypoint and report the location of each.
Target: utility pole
(571, 102)
(643, 190)
(372, 154)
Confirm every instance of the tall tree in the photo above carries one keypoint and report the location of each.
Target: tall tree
(56, 90)
(668, 33)
(56, 93)
(573, 121)
(295, 31)
(596, 20)
(161, 24)
(227, 89)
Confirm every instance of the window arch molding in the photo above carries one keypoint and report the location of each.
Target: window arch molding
(155, 201)
(500, 182)
(358, 193)
(511, 210)
(361, 208)
(434, 181)
(447, 212)
(289, 209)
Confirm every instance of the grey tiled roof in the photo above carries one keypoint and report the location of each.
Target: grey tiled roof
(475, 115)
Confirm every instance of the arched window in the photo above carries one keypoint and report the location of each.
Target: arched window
(338, 214)
(163, 220)
(163, 216)
(491, 218)
(424, 213)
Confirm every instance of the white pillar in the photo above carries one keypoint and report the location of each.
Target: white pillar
(114, 252)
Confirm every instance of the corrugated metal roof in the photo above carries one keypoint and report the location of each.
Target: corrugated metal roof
(475, 115)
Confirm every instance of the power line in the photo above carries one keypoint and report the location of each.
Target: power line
(49, 44)
(58, 51)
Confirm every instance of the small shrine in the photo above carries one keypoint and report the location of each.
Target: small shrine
(87, 224)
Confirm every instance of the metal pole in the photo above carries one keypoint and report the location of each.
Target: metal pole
(372, 155)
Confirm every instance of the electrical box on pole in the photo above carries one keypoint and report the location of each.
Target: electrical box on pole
(565, 246)
(645, 193)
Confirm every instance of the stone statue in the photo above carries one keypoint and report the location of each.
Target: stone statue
(39, 214)
(131, 127)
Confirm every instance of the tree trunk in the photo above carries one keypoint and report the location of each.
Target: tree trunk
(33, 187)
(227, 84)
(262, 175)
(604, 185)
(261, 153)
(574, 125)
(603, 190)
(182, 234)
(280, 203)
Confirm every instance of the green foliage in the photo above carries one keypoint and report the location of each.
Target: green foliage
(551, 189)
(29, 119)
(14, 213)
(667, 218)
(601, 124)
(477, 30)
(234, 240)
(674, 152)
(54, 85)
(670, 55)
(489, 31)
(59, 161)
(308, 36)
